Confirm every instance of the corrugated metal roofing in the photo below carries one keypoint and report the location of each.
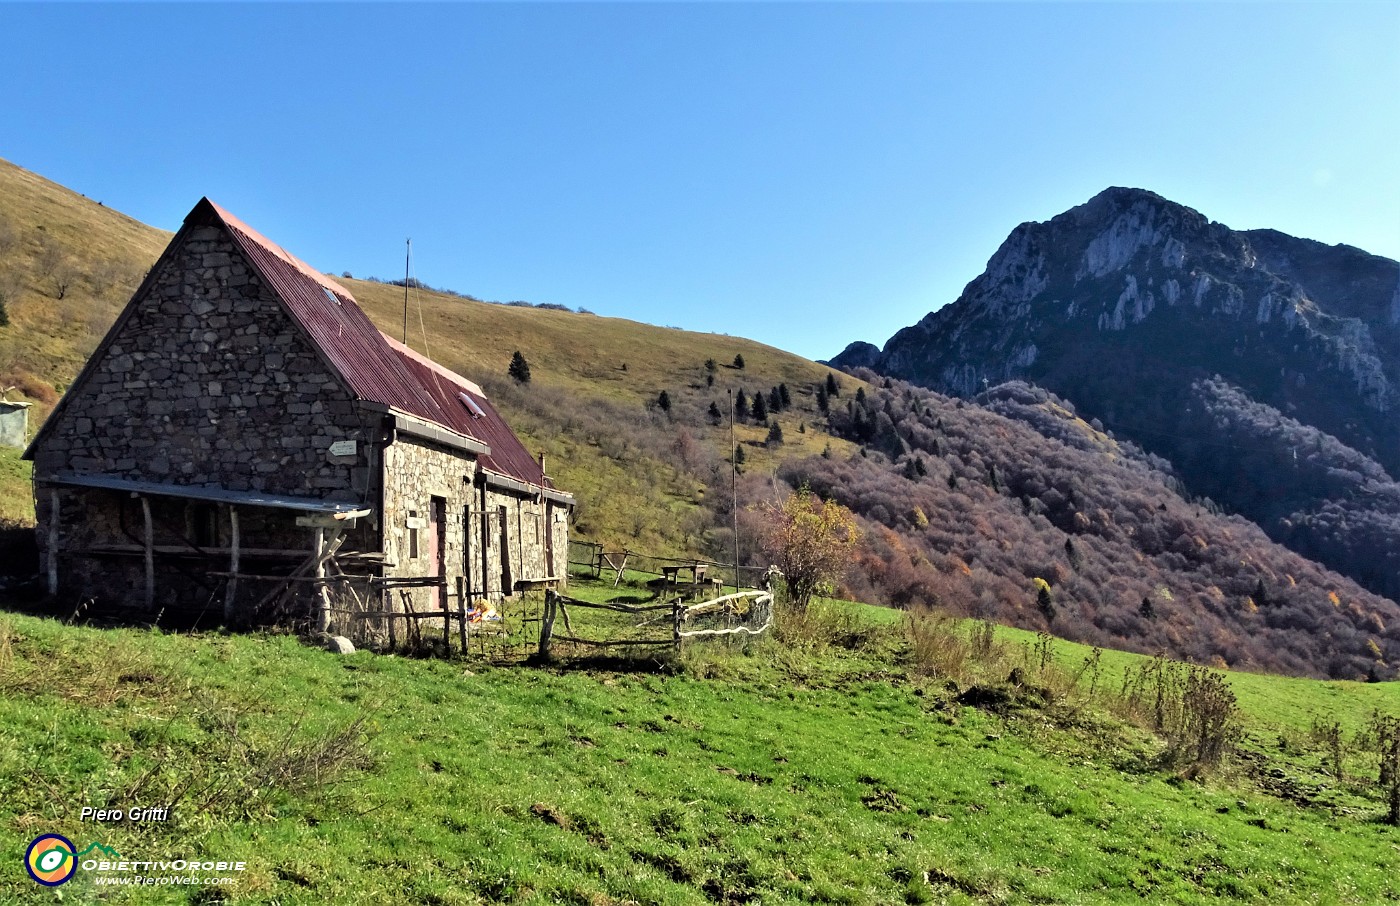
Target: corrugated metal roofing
(374, 366)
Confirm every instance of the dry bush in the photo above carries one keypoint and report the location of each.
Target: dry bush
(1191, 707)
(1382, 738)
(253, 772)
(1328, 735)
(937, 647)
(820, 625)
(30, 384)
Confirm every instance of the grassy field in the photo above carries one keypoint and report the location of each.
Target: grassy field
(823, 769)
(16, 489)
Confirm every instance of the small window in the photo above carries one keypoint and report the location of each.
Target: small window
(413, 535)
(330, 294)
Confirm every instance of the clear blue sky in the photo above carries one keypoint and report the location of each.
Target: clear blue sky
(802, 174)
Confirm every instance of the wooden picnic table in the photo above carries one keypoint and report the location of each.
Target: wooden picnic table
(697, 573)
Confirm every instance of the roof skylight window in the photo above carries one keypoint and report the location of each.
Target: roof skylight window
(330, 294)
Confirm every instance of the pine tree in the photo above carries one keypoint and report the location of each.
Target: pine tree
(775, 435)
(919, 466)
(738, 459)
(1045, 602)
(860, 395)
(784, 396)
(741, 405)
(760, 408)
(664, 402)
(519, 368)
(739, 362)
(775, 401)
(832, 388)
(711, 365)
(715, 415)
(823, 401)
(1146, 609)
(709, 380)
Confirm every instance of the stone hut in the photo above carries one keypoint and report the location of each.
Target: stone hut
(244, 433)
(14, 423)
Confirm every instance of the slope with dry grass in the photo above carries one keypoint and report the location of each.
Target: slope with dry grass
(68, 265)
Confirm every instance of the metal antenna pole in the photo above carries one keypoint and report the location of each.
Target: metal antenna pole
(407, 255)
(734, 488)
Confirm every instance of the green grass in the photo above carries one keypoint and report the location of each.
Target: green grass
(792, 774)
(16, 488)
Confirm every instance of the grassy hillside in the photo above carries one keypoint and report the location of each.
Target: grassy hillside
(831, 768)
(67, 265)
(590, 405)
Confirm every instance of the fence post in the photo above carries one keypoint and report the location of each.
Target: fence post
(677, 616)
(446, 623)
(386, 603)
(462, 612)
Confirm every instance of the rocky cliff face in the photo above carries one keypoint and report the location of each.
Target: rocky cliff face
(1123, 302)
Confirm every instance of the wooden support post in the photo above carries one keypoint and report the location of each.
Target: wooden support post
(54, 519)
(323, 618)
(150, 554)
(551, 604)
(677, 618)
(231, 592)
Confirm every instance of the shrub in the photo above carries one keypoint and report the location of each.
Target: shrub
(813, 542)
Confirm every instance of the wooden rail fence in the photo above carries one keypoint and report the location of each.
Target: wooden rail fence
(745, 612)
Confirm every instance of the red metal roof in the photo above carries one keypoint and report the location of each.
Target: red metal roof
(375, 367)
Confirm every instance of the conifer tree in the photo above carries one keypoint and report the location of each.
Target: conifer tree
(823, 401)
(519, 368)
(784, 396)
(775, 435)
(715, 415)
(760, 408)
(741, 405)
(832, 388)
(775, 401)
(663, 401)
(739, 362)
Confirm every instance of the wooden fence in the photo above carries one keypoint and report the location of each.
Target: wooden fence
(461, 625)
(659, 625)
(588, 558)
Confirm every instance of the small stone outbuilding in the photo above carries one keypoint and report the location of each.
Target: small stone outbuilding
(244, 428)
(14, 423)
